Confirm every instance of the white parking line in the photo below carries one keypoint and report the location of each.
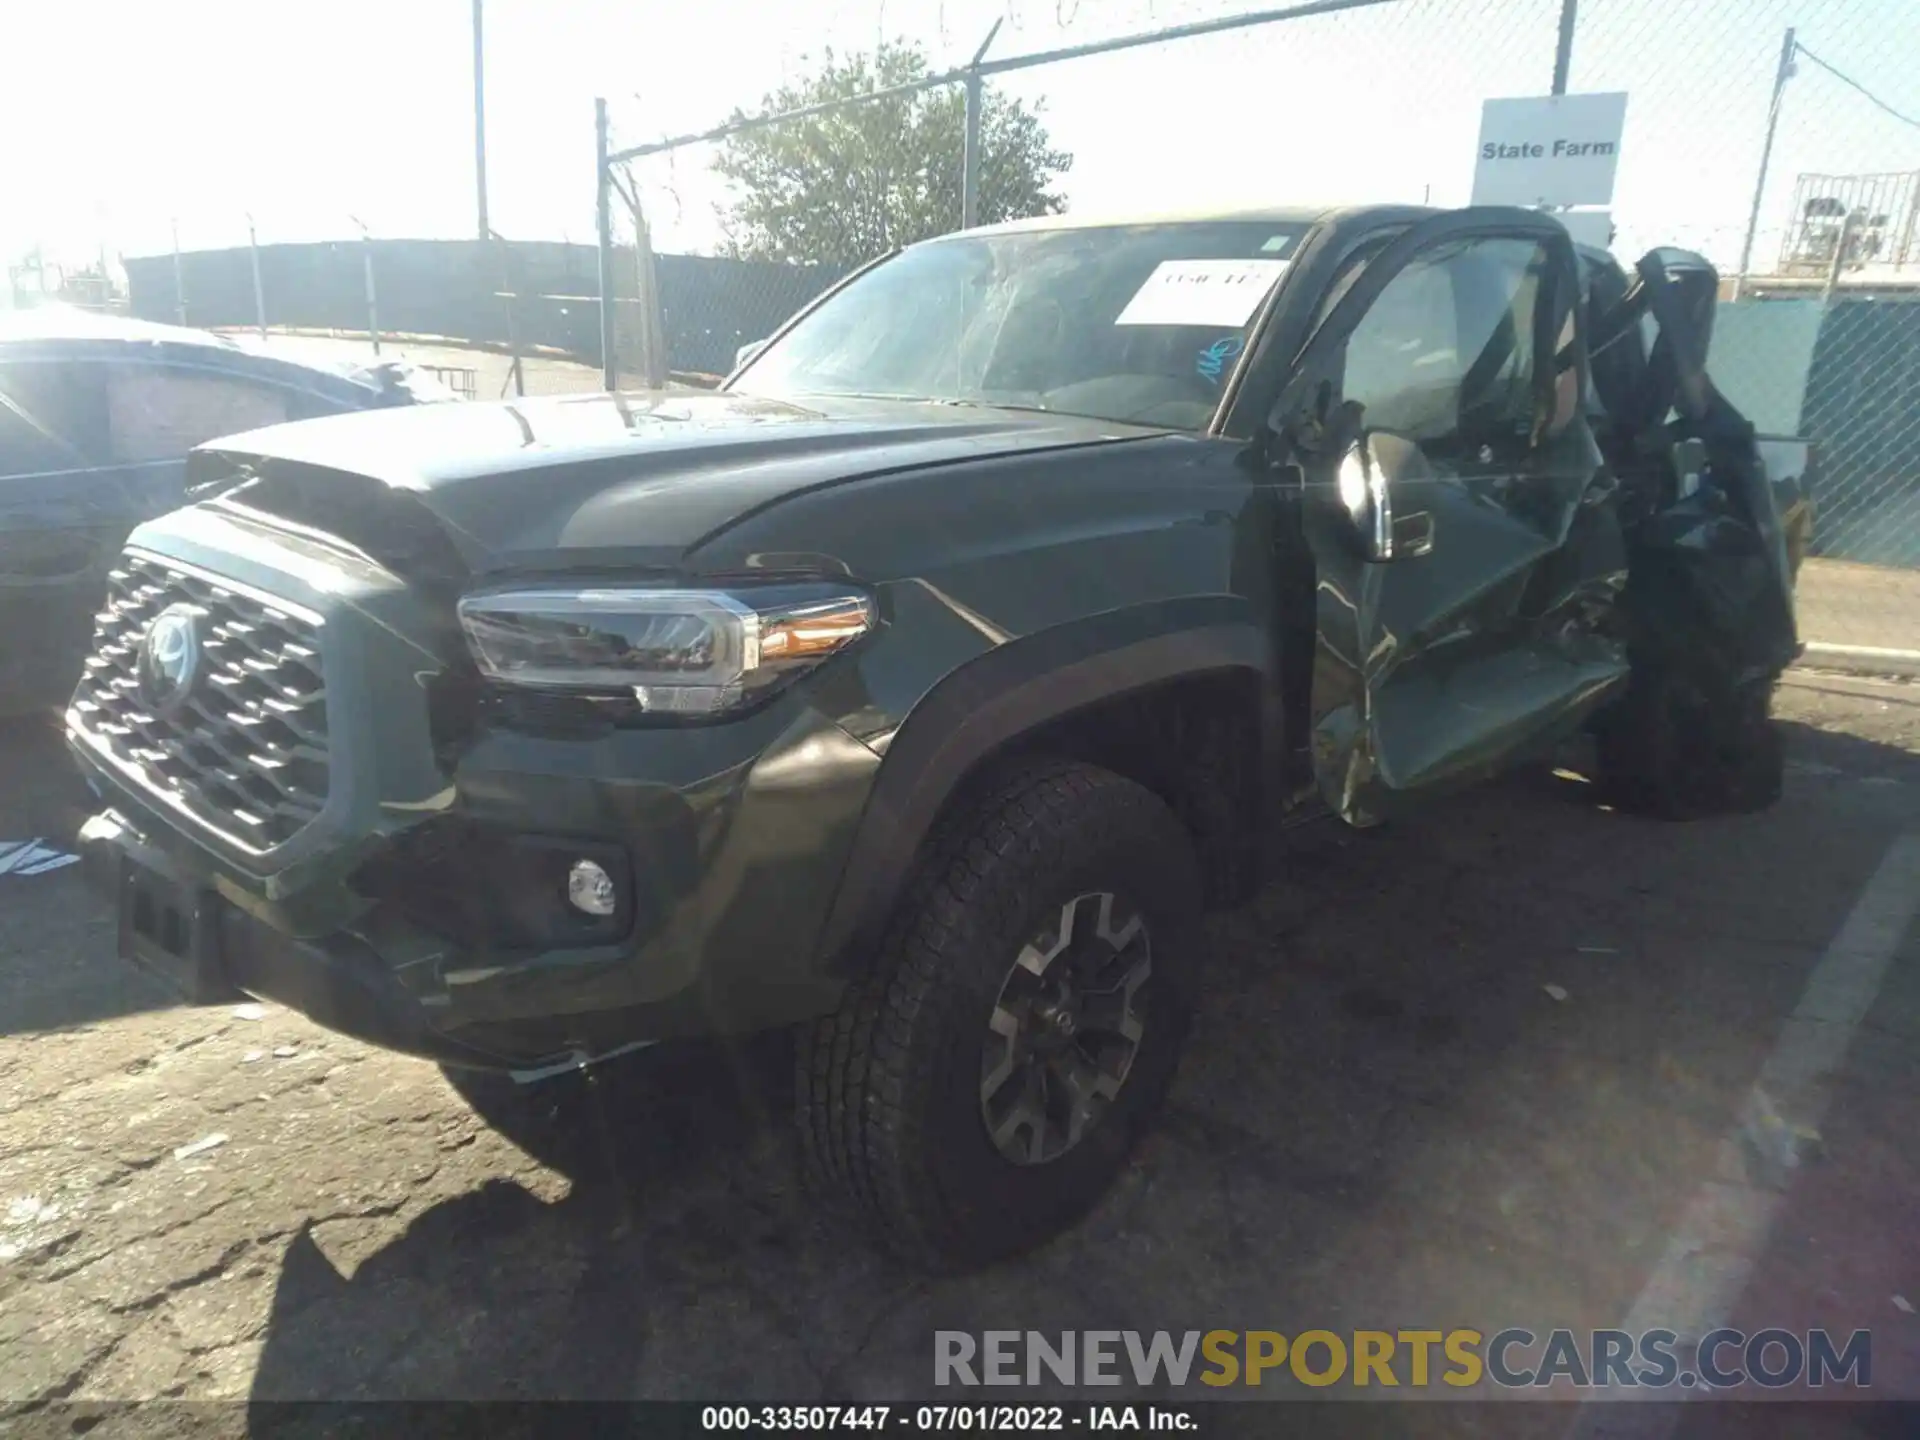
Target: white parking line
(1711, 1252)
(31, 857)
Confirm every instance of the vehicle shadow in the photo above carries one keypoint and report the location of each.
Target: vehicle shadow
(1817, 752)
(1813, 754)
(41, 791)
(1470, 1063)
(681, 1222)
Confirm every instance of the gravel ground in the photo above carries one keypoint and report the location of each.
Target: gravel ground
(1386, 1119)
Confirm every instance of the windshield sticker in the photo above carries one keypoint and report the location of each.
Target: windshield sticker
(1213, 359)
(1202, 292)
(1277, 245)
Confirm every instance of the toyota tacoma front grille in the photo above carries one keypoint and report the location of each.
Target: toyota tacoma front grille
(219, 711)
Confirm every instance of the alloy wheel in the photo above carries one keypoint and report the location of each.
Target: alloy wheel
(1065, 1029)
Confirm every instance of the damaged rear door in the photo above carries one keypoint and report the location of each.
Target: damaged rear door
(1456, 508)
(1712, 586)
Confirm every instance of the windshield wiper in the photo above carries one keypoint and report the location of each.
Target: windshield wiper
(1000, 405)
(924, 400)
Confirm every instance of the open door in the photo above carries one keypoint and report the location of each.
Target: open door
(1455, 506)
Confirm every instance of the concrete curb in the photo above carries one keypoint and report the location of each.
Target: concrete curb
(1859, 659)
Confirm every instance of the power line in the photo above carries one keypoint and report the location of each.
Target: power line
(1848, 80)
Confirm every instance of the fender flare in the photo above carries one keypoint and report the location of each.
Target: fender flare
(988, 704)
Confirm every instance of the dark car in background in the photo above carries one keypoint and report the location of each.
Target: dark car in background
(97, 414)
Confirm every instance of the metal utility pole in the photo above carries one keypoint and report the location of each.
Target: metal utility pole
(259, 290)
(1780, 77)
(480, 121)
(1563, 52)
(970, 154)
(603, 212)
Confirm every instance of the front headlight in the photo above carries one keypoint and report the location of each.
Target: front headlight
(677, 652)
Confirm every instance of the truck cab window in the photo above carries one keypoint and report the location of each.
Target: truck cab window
(1444, 356)
(1403, 358)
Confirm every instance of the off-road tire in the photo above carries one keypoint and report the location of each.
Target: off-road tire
(1675, 752)
(888, 1088)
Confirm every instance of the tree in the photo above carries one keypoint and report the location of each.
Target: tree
(843, 187)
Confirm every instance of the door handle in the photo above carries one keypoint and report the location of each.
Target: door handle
(1413, 533)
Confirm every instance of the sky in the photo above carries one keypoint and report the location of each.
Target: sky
(310, 121)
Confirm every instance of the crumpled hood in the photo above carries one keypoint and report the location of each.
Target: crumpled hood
(621, 472)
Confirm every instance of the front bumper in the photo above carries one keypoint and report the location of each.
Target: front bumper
(721, 939)
(339, 982)
(733, 838)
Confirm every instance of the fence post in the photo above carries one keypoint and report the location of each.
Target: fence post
(1780, 78)
(970, 156)
(1840, 244)
(179, 279)
(653, 330)
(1900, 256)
(480, 122)
(373, 307)
(970, 145)
(1563, 51)
(603, 214)
(259, 290)
(517, 372)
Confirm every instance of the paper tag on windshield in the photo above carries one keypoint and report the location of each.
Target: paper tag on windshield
(1202, 292)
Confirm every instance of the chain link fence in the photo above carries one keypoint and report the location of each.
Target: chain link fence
(492, 320)
(1863, 412)
(1791, 158)
(1862, 415)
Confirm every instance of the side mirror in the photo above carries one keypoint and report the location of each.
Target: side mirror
(747, 352)
(1371, 470)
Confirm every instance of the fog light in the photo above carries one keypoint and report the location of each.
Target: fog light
(590, 889)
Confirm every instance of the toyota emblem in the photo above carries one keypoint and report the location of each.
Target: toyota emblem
(170, 658)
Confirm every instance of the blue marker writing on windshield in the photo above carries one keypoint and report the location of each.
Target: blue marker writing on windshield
(1213, 360)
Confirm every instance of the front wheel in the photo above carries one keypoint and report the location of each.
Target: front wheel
(984, 1081)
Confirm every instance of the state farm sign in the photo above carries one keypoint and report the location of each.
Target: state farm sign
(1549, 150)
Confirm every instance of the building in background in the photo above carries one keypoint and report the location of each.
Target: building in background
(33, 280)
(1854, 233)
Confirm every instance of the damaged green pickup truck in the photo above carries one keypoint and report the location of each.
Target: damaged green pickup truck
(921, 688)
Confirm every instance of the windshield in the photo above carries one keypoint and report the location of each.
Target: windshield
(1136, 323)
